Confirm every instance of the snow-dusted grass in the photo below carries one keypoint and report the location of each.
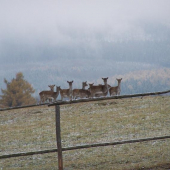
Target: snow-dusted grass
(33, 129)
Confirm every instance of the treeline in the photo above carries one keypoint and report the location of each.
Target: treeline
(133, 86)
(144, 81)
(133, 82)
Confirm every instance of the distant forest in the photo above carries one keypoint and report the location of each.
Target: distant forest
(143, 65)
(141, 81)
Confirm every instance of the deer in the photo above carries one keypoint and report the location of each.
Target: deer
(97, 90)
(82, 93)
(101, 94)
(66, 93)
(53, 95)
(116, 90)
(42, 93)
(50, 95)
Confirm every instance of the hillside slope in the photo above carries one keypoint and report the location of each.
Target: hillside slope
(144, 81)
(33, 129)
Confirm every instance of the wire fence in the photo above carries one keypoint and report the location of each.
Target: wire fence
(84, 127)
(103, 122)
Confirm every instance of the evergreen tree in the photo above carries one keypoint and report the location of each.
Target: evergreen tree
(18, 92)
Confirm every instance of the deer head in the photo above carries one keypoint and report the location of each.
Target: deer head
(91, 84)
(51, 87)
(119, 80)
(105, 80)
(84, 84)
(70, 82)
(57, 88)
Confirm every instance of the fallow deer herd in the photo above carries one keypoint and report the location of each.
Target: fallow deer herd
(100, 90)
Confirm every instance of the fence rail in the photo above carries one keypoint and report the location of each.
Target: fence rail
(84, 147)
(59, 102)
(58, 137)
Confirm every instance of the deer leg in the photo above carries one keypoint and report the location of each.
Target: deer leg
(70, 97)
(62, 98)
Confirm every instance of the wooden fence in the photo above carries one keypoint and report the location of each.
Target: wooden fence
(59, 149)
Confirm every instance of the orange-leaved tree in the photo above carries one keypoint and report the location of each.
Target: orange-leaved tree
(17, 93)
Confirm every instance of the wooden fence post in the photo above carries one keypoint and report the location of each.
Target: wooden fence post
(58, 137)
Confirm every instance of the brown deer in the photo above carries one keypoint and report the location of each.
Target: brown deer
(67, 93)
(101, 94)
(82, 93)
(96, 90)
(51, 95)
(116, 90)
(42, 93)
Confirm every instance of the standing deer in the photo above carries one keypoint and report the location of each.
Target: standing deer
(53, 95)
(116, 90)
(82, 93)
(97, 90)
(67, 93)
(101, 94)
(49, 95)
(42, 93)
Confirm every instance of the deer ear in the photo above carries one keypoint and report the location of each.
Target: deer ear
(72, 81)
(67, 81)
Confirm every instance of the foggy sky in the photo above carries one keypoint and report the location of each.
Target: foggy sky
(59, 28)
(64, 22)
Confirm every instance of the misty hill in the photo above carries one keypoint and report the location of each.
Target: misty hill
(139, 80)
(90, 55)
(148, 42)
(144, 81)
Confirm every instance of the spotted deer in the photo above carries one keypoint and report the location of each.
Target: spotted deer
(97, 90)
(102, 94)
(82, 93)
(116, 90)
(51, 95)
(42, 94)
(67, 93)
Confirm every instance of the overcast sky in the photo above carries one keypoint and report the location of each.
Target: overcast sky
(38, 28)
(60, 22)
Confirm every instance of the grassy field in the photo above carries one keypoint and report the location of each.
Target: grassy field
(31, 129)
